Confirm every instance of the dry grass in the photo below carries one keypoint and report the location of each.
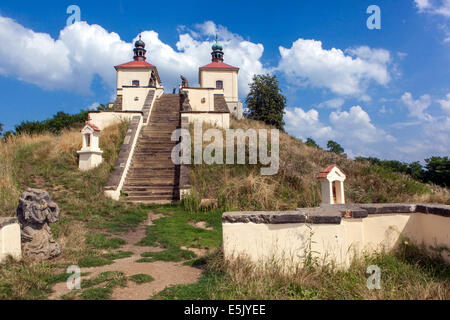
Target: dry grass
(242, 187)
(403, 276)
(50, 162)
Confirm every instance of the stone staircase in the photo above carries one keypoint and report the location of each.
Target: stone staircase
(152, 176)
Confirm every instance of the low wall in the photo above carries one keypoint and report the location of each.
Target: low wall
(218, 119)
(10, 241)
(117, 177)
(104, 119)
(331, 236)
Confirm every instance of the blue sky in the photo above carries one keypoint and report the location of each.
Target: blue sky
(383, 93)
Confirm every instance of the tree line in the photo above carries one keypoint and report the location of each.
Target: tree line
(55, 125)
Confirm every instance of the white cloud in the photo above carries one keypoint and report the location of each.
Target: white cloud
(82, 51)
(308, 63)
(353, 129)
(445, 104)
(356, 125)
(438, 7)
(93, 106)
(384, 110)
(417, 107)
(238, 52)
(335, 103)
(306, 124)
(422, 4)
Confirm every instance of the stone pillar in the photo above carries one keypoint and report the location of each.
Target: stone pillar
(341, 192)
(10, 238)
(327, 191)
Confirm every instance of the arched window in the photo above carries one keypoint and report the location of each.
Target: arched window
(135, 83)
(219, 84)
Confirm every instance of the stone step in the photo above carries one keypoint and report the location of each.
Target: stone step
(151, 182)
(152, 176)
(150, 193)
(150, 172)
(150, 199)
(163, 188)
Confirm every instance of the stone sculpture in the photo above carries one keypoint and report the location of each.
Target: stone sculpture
(35, 212)
(185, 105)
(184, 82)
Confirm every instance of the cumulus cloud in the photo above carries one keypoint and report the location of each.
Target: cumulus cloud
(445, 104)
(306, 124)
(83, 51)
(335, 103)
(417, 107)
(308, 63)
(353, 128)
(439, 7)
(357, 125)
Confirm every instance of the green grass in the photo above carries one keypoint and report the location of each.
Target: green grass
(173, 230)
(96, 294)
(101, 241)
(407, 273)
(201, 290)
(93, 261)
(101, 287)
(141, 278)
(171, 254)
(61, 277)
(118, 255)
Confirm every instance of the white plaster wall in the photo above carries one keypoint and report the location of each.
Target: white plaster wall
(197, 94)
(125, 76)
(105, 119)
(89, 159)
(129, 96)
(220, 120)
(10, 241)
(336, 242)
(229, 78)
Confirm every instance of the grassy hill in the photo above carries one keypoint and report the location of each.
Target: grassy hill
(90, 223)
(295, 185)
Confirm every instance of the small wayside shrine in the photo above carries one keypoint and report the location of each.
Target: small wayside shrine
(90, 153)
(332, 184)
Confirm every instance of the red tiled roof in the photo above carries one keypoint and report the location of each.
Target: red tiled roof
(93, 126)
(135, 64)
(325, 171)
(218, 65)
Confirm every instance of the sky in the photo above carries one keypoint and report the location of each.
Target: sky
(381, 92)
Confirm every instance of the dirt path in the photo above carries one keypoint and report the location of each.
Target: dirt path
(164, 273)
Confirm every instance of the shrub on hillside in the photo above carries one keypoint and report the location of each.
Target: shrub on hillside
(55, 125)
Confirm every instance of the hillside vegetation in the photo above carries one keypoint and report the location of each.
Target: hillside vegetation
(243, 187)
(90, 224)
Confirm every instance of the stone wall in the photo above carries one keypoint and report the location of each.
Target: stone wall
(117, 177)
(335, 233)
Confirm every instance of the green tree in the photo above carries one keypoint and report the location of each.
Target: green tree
(265, 101)
(60, 121)
(415, 169)
(438, 170)
(335, 147)
(1, 128)
(310, 142)
(102, 107)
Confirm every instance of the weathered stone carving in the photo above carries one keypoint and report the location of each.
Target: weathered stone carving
(152, 81)
(184, 82)
(35, 212)
(185, 105)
